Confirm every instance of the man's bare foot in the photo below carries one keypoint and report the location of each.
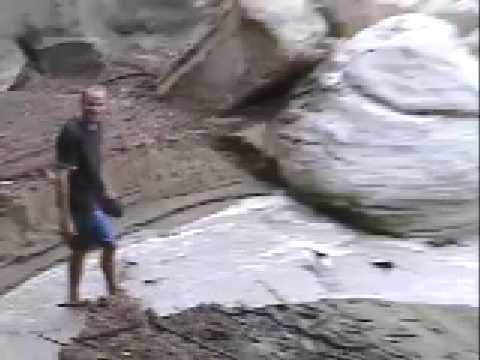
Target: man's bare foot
(116, 291)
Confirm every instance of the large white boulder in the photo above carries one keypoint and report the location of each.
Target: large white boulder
(390, 136)
(354, 15)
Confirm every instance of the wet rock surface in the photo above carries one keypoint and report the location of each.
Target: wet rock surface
(267, 252)
(346, 330)
(391, 134)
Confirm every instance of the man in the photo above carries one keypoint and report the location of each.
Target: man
(81, 192)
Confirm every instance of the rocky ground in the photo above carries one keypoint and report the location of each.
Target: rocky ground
(347, 330)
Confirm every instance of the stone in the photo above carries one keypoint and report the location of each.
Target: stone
(394, 146)
(152, 17)
(352, 16)
(11, 63)
(71, 58)
(463, 14)
(253, 47)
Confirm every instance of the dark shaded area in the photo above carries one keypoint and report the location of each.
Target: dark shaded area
(27, 39)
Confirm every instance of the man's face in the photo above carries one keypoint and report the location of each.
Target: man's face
(95, 104)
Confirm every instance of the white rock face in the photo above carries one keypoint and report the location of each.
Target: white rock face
(355, 15)
(394, 140)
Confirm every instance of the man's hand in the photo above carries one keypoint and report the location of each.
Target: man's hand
(68, 231)
(111, 195)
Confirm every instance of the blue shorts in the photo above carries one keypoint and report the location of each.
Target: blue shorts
(94, 230)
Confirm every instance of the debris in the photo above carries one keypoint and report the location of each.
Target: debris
(319, 254)
(441, 242)
(383, 264)
(402, 335)
(437, 330)
(153, 281)
(392, 340)
(150, 281)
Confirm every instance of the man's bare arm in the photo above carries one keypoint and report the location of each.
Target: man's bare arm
(63, 201)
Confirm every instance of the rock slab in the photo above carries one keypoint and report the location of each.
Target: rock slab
(251, 45)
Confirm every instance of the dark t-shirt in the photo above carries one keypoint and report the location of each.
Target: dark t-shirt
(78, 148)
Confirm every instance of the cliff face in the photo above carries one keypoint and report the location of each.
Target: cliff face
(98, 18)
(139, 33)
(11, 12)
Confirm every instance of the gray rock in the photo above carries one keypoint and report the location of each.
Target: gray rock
(353, 16)
(463, 14)
(11, 63)
(252, 45)
(127, 31)
(395, 142)
(160, 17)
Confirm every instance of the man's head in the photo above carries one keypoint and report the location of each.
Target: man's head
(94, 103)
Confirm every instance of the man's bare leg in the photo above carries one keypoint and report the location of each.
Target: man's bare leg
(75, 272)
(108, 267)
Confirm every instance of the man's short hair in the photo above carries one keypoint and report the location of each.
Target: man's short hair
(94, 89)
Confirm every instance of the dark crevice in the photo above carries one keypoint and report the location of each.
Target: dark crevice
(247, 194)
